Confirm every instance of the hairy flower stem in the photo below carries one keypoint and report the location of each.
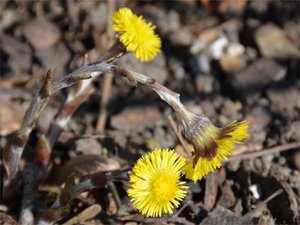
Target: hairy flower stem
(37, 106)
(92, 70)
(85, 72)
(16, 148)
(76, 96)
(80, 92)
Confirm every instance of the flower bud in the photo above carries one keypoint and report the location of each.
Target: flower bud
(211, 144)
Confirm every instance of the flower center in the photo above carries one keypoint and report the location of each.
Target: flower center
(164, 187)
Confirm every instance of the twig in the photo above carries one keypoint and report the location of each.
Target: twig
(107, 86)
(261, 205)
(107, 83)
(274, 195)
(280, 148)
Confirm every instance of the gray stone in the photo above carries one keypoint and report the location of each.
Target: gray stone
(166, 21)
(41, 33)
(250, 83)
(232, 64)
(20, 54)
(284, 96)
(273, 43)
(135, 118)
(205, 84)
(155, 68)
(55, 58)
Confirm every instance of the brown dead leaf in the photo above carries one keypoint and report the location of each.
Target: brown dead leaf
(211, 190)
(18, 80)
(6, 219)
(85, 215)
(11, 117)
(112, 207)
(83, 165)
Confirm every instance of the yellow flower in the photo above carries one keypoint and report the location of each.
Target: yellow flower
(136, 35)
(154, 183)
(212, 145)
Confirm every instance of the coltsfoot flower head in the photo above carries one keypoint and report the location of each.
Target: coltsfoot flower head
(211, 144)
(154, 183)
(136, 35)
